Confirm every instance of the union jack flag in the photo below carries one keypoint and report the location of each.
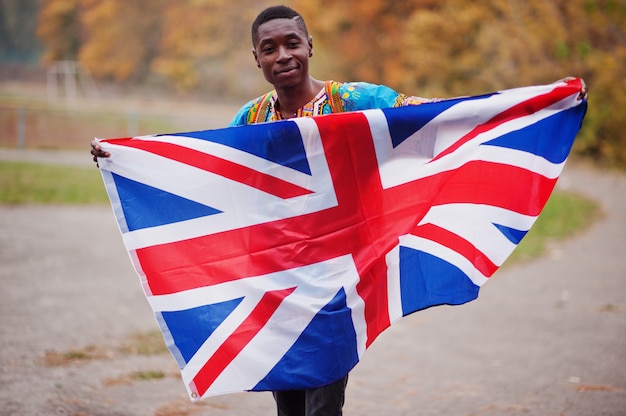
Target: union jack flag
(274, 254)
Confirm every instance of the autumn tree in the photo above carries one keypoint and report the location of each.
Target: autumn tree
(121, 38)
(18, 23)
(359, 41)
(422, 47)
(455, 47)
(203, 42)
(59, 29)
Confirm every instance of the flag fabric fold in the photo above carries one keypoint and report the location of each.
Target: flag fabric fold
(274, 254)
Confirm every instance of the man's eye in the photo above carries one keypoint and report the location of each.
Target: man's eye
(294, 44)
(268, 50)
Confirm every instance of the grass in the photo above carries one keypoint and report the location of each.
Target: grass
(148, 343)
(33, 183)
(565, 213)
(142, 343)
(88, 353)
(148, 375)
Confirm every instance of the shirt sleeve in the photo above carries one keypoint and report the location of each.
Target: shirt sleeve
(241, 118)
(365, 96)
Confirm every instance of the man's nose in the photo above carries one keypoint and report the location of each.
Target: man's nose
(283, 53)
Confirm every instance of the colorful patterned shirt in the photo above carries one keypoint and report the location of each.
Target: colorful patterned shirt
(333, 98)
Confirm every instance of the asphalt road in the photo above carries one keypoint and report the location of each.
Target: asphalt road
(544, 338)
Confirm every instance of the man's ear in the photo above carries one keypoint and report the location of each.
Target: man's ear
(310, 41)
(256, 58)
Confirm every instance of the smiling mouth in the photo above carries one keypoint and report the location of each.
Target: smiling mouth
(286, 70)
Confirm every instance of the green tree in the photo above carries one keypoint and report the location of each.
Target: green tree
(18, 23)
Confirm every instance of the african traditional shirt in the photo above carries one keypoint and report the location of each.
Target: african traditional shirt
(335, 97)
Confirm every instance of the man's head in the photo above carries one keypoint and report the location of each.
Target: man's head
(282, 47)
(277, 12)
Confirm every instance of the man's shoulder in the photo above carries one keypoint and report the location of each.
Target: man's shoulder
(242, 116)
(360, 95)
(363, 85)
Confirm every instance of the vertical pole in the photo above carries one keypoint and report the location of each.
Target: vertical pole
(69, 69)
(21, 128)
(132, 124)
(53, 92)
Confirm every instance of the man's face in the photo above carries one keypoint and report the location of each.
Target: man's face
(282, 52)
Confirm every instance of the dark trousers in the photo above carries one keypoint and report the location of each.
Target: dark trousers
(322, 401)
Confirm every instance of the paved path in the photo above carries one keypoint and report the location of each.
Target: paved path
(544, 338)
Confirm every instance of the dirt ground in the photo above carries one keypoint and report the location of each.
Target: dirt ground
(544, 338)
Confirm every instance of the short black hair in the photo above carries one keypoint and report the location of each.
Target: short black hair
(277, 12)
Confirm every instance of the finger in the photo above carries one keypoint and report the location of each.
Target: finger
(584, 91)
(98, 152)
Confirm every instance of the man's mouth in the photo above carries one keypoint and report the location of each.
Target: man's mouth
(286, 70)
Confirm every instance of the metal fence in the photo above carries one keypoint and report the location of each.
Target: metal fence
(22, 127)
(41, 126)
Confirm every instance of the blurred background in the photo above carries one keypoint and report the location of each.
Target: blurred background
(71, 70)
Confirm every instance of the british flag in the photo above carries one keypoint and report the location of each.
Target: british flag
(274, 254)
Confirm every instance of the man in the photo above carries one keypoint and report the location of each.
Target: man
(282, 48)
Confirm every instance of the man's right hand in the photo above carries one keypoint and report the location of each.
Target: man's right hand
(97, 152)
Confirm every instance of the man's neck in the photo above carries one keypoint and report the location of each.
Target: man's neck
(292, 99)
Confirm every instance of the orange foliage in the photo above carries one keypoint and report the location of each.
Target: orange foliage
(121, 38)
(455, 47)
(194, 33)
(422, 47)
(58, 29)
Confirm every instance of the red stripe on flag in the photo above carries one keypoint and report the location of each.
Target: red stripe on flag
(234, 171)
(499, 185)
(231, 348)
(287, 244)
(366, 223)
(459, 244)
(522, 109)
(236, 254)
(478, 182)
(361, 196)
